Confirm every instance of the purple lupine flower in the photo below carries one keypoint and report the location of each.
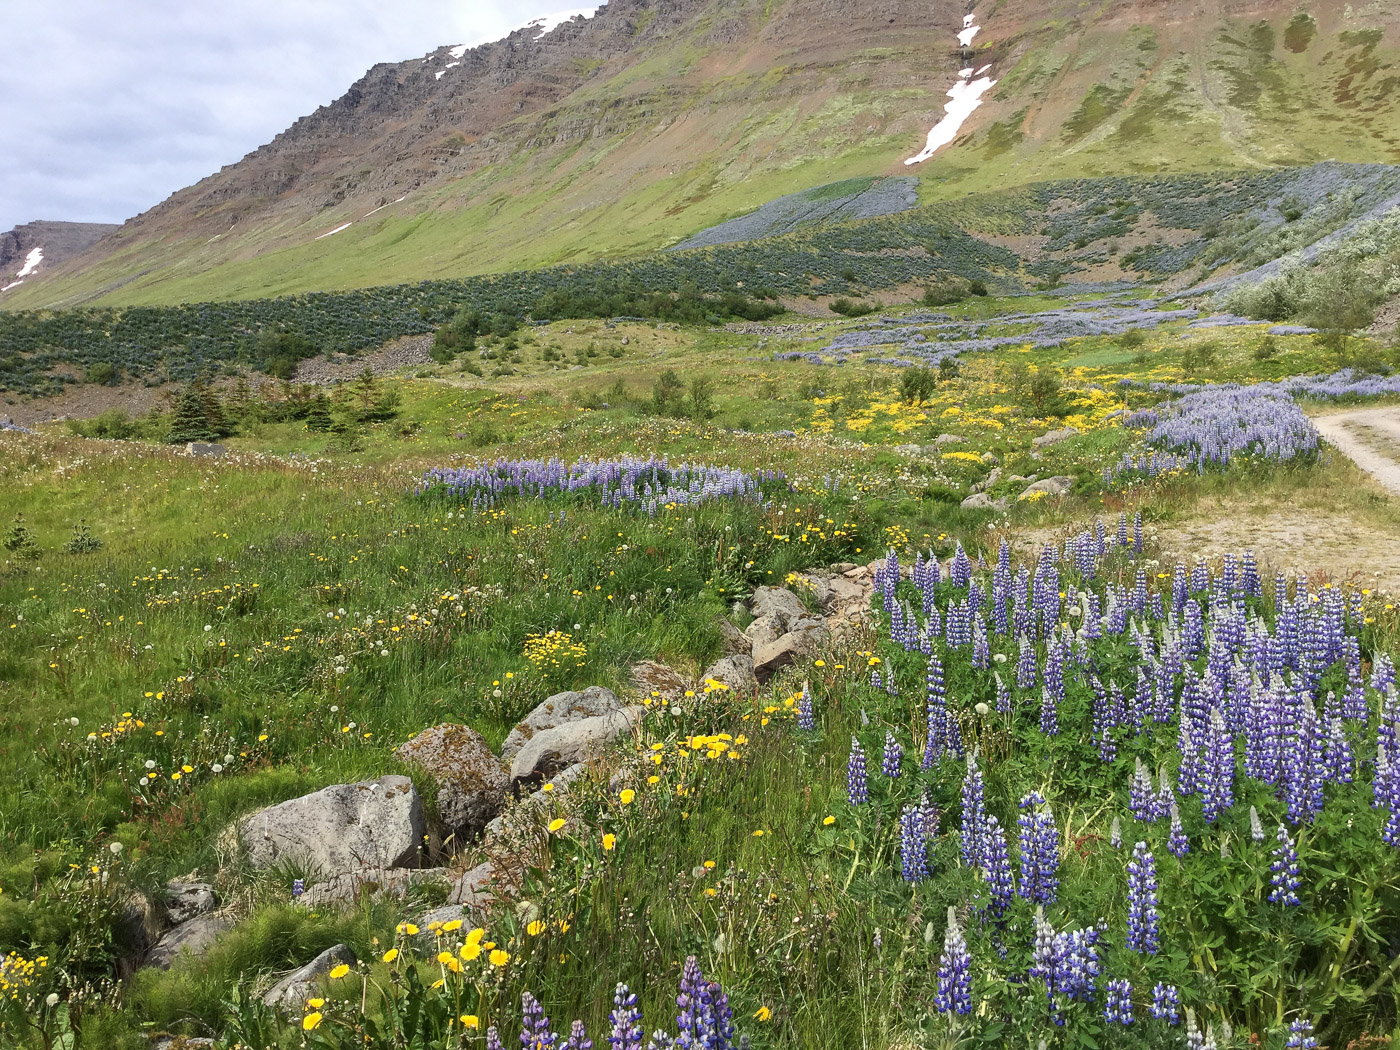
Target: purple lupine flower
(1300, 1035)
(1142, 795)
(1166, 1004)
(954, 971)
(935, 706)
(626, 1019)
(913, 845)
(893, 757)
(806, 718)
(1143, 918)
(1053, 690)
(974, 815)
(298, 887)
(1218, 787)
(1025, 664)
(876, 682)
(1119, 1008)
(996, 869)
(1115, 832)
(1177, 841)
(857, 786)
(493, 1039)
(660, 1041)
(1256, 826)
(1284, 877)
(578, 1038)
(1040, 850)
(535, 1033)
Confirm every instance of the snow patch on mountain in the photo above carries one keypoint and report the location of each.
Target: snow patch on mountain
(335, 231)
(549, 23)
(966, 96)
(31, 263)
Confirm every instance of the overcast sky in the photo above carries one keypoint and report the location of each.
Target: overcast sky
(109, 106)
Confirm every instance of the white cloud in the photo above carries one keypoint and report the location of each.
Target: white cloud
(111, 107)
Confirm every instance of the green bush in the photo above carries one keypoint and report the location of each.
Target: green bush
(847, 308)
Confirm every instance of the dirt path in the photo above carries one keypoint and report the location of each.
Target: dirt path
(1370, 437)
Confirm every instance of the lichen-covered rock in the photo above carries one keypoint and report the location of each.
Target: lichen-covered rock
(657, 680)
(191, 939)
(348, 827)
(291, 992)
(188, 900)
(1054, 437)
(471, 781)
(572, 743)
(778, 602)
(1050, 486)
(559, 709)
(735, 672)
(350, 886)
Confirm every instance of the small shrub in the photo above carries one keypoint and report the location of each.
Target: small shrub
(83, 541)
(102, 373)
(847, 308)
(1266, 349)
(918, 385)
(20, 542)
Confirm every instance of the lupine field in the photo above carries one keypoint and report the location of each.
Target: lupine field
(1055, 783)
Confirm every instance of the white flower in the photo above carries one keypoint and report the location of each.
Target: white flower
(208, 628)
(72, 721)
(116, 848)
(982, 709)
(150, 763)
(144, 781)
(228, 760)
(52, 999)
(217, 768)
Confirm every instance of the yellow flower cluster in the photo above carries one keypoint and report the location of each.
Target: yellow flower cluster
(17, 973)
(554, 649)
(127, 724)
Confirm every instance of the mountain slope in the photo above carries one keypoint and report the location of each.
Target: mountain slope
(655, 119)
(28, 251)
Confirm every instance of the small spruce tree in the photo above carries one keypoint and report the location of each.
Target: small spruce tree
(20, 542)
(190, 422)
(318, 414)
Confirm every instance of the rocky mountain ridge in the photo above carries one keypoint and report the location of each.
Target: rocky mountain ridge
(655, 119)
(27, 250)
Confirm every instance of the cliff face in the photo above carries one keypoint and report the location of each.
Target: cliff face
(28, 250)
(655, 118)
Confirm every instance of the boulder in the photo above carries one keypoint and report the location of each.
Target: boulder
(1054, 437)
(764, 630)
(291, 992)
(559, 709)
(472, 890)
(908, 450)
(188, 900)
(948, 439)
(990, 480)
(349, 886)
(778, 602)
(818, 587)
(551, 750)
(348, 827)
(1050, 486)
(844, 592)
(734, 639)
(201, 449)
(991, 457)
(981, 501)
(735, 671)
(191, 939)
(657, 680)
(471, 781)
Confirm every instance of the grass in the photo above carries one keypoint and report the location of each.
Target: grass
(256, 606)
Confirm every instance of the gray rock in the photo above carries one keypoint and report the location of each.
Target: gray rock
(948, 439)
(472, 890)
(551, 750)
(1054, 437)
(778, 602)
(471, 781)
(200, 449)
(990, 480)
(291, 992)
(188, 900)
(348, 827)
(771, 658)
(734, 639)
(764, 630)
(190, 940)
(735, 671)
(350, 886)
(990, 457)
(819, 587)
(1050, 486)
(909, 450)
(981, 501)
(559, 709)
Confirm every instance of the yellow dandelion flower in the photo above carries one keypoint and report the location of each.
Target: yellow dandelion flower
(499, 957)
(311, 1021)
(339, 972)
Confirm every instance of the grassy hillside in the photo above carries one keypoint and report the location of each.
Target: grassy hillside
(700, 135)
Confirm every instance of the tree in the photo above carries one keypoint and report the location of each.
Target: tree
(190, 422)
(1340, 300)
(318, 415)
(701, 402)
(917, 385)
(667, 392)
(20, 542)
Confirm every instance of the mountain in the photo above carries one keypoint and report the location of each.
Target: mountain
(30, 250)
(653, 120)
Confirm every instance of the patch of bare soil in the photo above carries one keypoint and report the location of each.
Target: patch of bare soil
(1329, 543)
(85, 400)
(1370, 438)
